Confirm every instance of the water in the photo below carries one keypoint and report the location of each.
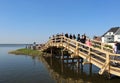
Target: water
(28, 69)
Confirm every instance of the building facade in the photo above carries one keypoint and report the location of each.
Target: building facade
(111, 35)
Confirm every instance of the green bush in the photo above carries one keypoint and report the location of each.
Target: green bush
(109, 46)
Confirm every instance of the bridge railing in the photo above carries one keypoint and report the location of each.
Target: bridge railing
(102, 46)
(78, 46)
(96, 45)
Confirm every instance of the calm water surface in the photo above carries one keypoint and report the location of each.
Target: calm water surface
(27, 69)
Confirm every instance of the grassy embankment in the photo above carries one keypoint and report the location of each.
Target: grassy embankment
(24, 51)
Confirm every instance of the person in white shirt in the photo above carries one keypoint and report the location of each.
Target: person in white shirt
(115, 48)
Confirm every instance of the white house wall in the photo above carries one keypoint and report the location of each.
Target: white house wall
(103, 40)
(117, 38)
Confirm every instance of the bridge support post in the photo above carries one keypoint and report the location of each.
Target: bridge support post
(62, 67)
(51, 51)
(109, 76)
(78, 63)
(72, 60)
(62, 56)
(90, 70)
(51, 60)
(67, 59)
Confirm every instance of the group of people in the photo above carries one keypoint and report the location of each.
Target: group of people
(79, 38)
(70, 36)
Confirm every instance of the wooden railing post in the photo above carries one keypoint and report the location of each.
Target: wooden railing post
(76, 48)
(101, 46)
(68, 43)
(61, 40)
(108, 61)
(89, 55)
(51, 42)
(106, 65)
(107, 58)
(55, 39)
(89, 51)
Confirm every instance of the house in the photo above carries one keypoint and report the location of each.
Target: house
(111, 35)
(97, 38)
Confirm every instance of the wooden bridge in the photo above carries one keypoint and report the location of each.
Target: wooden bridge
(99, 54)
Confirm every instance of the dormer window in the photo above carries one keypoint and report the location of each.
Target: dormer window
(110, 33)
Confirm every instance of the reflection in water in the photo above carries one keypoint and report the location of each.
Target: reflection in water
(30, 69)
(34, 60)
(68, 73)
(20, 68)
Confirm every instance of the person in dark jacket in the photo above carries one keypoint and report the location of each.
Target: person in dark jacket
(74, 37)
(78, 37)
(70, 36)
(83, 39)
(118, 47)
(66, 35)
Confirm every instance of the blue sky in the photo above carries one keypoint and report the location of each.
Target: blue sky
(26, 21)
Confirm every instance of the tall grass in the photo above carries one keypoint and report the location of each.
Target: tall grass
(24, 51)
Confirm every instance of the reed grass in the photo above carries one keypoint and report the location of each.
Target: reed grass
(25, 51)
